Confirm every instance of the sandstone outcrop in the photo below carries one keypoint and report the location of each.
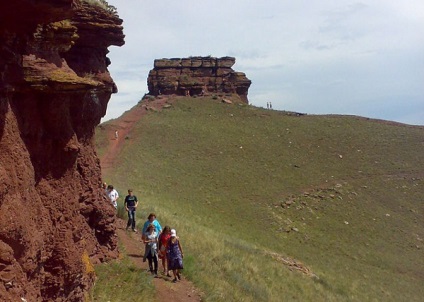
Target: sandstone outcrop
(197, 76)
(54, 88)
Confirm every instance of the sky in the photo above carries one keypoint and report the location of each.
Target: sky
(315, 57)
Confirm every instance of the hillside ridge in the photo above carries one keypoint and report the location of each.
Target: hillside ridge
(268, 190)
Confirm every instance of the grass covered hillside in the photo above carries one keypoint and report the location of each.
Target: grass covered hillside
(273, 207)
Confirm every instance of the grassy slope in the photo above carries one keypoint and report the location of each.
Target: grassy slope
(220, 173)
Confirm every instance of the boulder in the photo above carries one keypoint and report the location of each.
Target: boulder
(195, 76)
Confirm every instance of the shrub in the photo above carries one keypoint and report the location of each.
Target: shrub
(104, 4)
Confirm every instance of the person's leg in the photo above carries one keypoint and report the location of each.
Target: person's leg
(174, 271)
(150, 259)
(155, 264)
(163, 265)
(129, 220)
(133, 219)
(179, 267)
(145, 252)
(166, 267)
(171, 264)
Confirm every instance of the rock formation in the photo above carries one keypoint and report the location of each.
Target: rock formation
(54, 89)
(197, 76)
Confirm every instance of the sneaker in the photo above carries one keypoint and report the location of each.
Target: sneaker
(134, 230)
(179, 276)
(175, 280)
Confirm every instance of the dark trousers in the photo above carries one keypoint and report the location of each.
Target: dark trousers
(153, 262)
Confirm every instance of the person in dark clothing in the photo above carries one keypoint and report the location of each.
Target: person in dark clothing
(130, 205)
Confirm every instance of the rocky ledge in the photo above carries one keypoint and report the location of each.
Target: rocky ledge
(197, 76)
(55, 222)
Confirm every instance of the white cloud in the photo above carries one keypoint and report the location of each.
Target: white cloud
(330, 56)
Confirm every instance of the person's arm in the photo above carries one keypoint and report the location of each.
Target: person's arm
(181, 250)
(158, 227)
(136, 202)
(168, 246)
(143, 232)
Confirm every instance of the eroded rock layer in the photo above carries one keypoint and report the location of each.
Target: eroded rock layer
(54, 89)
(197, 76)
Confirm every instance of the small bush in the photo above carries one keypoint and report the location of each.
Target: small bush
(103, 4)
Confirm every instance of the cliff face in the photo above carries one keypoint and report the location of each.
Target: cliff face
(54, 89)
(196, 76)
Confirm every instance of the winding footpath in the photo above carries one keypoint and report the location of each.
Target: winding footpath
(166, 290)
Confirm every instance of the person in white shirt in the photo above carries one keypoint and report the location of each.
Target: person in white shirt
(113, 195)
(151, 240)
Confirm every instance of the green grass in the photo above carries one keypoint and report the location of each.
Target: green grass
(102, 140)
(222, 175)
(122, 281)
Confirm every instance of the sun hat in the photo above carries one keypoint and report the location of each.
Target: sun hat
(173, 233)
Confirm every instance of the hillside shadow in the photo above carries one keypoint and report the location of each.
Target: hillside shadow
(3, 111)
(46, 130)
(135, 255)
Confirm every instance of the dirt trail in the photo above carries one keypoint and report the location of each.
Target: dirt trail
(166, 290)
(124, 125)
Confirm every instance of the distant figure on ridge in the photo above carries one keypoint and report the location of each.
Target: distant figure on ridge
(270, 105)
(130, 205)
(267, 105)
(116, 134)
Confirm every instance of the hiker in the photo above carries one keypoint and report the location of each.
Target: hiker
(151, 240)
(163, 243)
(175, 255)
(151, 219)
(116, 134)
(104, 187)
(130, 204)
(113, 195)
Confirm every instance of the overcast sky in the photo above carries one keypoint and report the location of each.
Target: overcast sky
(316, 57)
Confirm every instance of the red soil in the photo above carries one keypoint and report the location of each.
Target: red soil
(166, 290)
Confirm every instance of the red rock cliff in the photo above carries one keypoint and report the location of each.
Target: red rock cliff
(54, 89)
(197, 75)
